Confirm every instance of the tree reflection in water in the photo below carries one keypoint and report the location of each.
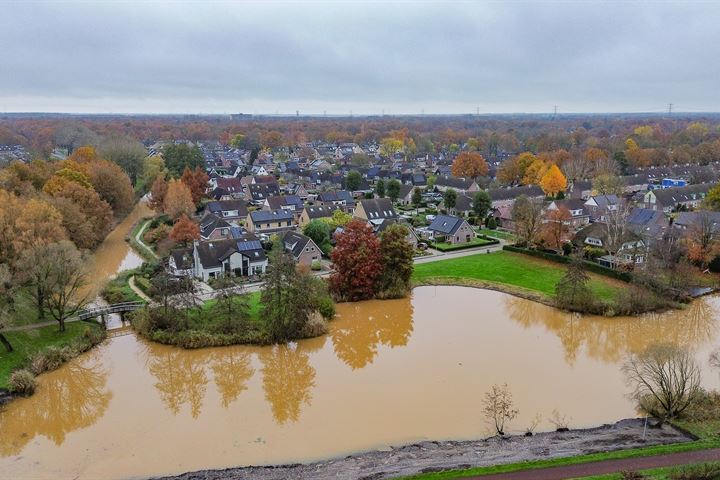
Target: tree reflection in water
(367, 325)
(232, 370)
(288, 379)
(73, 397)
(611, 339)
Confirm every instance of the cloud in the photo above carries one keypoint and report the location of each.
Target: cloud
(448, 57)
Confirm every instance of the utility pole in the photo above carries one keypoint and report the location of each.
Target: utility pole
(554, 110)
(477, 111)
(670, 105)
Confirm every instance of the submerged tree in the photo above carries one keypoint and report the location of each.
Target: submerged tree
(572, 291)
(499, 407)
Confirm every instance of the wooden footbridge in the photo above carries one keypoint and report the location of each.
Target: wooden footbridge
(88, 314)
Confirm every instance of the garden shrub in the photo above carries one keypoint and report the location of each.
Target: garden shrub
(22, 382)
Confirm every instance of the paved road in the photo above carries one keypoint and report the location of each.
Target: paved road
(609, 466)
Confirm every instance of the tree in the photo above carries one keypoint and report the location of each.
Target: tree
(701, 241)
(5, 287)
(450, 198)
(157, 193)
(572, 291)
(353, 180)
(179, 156)
(397, 256)
(380, 188)
(390, 146)
(499, 408)
(231, 304)
(393, 190)
(84, 154)
(527, 217)
(97, 211)
(553, 181)
(712, 199)
(36, 223)
(616, 227)
(185, 230)
(318, 231)
(416, 197)
(512, 171)
(607, 184)
(178, 200)
(481, 204)
(360, 159)
(469, 165)
(556, 227)
(113, 186)
(196, 181)
(357, 261)
(535, 171)
(67, 276)
(127, 153)
(665, 380)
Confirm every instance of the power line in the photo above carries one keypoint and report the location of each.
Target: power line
(670, 105)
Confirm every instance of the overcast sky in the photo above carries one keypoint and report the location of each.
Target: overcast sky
(364, 57)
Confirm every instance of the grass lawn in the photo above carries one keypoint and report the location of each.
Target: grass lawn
(706, 431)
(26, 343)
(497, 234)
(511, 269)
(118, 290)
(144, 251)
(253, 304)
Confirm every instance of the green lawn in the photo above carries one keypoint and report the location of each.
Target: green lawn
(145, 252)
(26, 343)
(707, 431)
(507, 268)
(496, 234)
(253, 304)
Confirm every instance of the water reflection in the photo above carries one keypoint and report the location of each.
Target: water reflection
(611, 339)
(73, 397)
(288, 379)
(232, 369)
(367, 325)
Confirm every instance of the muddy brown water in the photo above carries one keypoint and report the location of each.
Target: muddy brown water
(388, 373)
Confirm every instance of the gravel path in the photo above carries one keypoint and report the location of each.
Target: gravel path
(439, 456)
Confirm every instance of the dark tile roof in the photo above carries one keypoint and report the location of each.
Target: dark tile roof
(378, 208)
(512, 193)
(220, 206)
(320, 211)
(454, 182)
(672, 196)
(212, 253)
(446, 224)
(210, 222)
(270, 215)
(278, 201)
(183, 258)
(294, 242)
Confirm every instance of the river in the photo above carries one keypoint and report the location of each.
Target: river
(388, 373)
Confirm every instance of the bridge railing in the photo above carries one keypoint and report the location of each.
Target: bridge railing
(106, 310)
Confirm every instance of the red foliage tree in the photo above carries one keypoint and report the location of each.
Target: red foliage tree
(197, 181)
(358, 263)
(185, 230)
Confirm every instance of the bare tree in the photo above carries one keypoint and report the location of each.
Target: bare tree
(5, 286)
(616, 231)
(67, 277)
(665, 380)
(527, 217)
(499, 408)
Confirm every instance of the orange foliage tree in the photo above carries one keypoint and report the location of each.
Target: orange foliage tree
(178, 200)
(185, 230)
(157, 193)
(113, 185)
(469, 165)
(553, 181)
(556, 228)
(197, 181)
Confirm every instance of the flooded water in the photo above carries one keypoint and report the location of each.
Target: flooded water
(388, 373)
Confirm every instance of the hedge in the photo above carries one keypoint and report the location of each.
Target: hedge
(476, 243)
(589, 266)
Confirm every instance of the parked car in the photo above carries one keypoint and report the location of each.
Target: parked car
(422, 246)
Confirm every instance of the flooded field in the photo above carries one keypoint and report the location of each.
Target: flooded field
(388, 373)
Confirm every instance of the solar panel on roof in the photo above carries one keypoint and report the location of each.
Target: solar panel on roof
(244, 246)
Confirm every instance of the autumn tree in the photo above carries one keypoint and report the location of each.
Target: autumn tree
(153, 167)
(113, 185)
(481, 204)
(196, 181)
(397, 256)
(450, 198)
(701, 240)
(607, 184)
(357, 261)
(712, 199)
(527, 217)
(5, 289)
(512, 171)
(84, 154)
(556, 227)
(178, 200)
(185, 230)
(390, 146)
(469, 165)
(416, 198)
(67, 276)
(393, 190)
(127, 153)
(553, 181)
(157, 193)
(535, 172)
(96, 210)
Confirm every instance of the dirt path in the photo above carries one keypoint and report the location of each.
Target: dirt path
(428, 457)
(609, 466)
(138, 292)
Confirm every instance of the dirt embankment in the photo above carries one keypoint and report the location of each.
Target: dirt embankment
(439, 456)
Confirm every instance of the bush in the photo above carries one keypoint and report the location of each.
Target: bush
(704, 471)
(593, 253)
(316, 266)
(22, 382)
(315, 326)
(567, 248)
(714, 265)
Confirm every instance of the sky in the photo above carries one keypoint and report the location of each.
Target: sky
(359, 57)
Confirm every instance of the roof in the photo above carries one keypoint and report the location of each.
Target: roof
(697, 219)
(512, 193)
(183, 258)
(644, 216)
(320, 211)
(260, 191)
(212, 253)
(217, 207)
(405, 190)
(672, 196)
(447, 224)
(278, 201)
(294, 242)
(336, 196)
(211, 222)
(463, 203)
(454, 182)
(270, 215)
(230, 185)
(378, 208)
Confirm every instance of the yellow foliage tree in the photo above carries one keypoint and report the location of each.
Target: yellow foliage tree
(178, 200)
(553, 181)
(470, 165)
(534, 173)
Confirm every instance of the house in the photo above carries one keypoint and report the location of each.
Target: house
(648, 224)
(451, 229)
(180, 263)
(463, 206)
(270, 221)
(507, 196)
(291, 203)
(599, 205)
(311, 213)
(339, 198)
(705, 222)
(630, 252)
(579, 215)
(257, 193)
(375, 210)
(406, 193)
(298, 190)
(668, 199)
(214, 227)
(231, 187)
(236, 256)
(579, 189)
(233, 211)
(411, 237)
(301, 247)
(459, 184)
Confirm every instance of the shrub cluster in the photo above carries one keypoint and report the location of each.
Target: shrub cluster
(22, 382)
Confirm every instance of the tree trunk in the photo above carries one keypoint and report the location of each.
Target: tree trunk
(5, 342)
(41, 304)
(62, 324)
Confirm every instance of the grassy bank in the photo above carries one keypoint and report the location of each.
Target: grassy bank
(502, 235)
(141, 248)
(515, 273)
(118, 289)
(27, 343)
(706, 431)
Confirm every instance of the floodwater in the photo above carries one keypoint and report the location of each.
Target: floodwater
(388, 373)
